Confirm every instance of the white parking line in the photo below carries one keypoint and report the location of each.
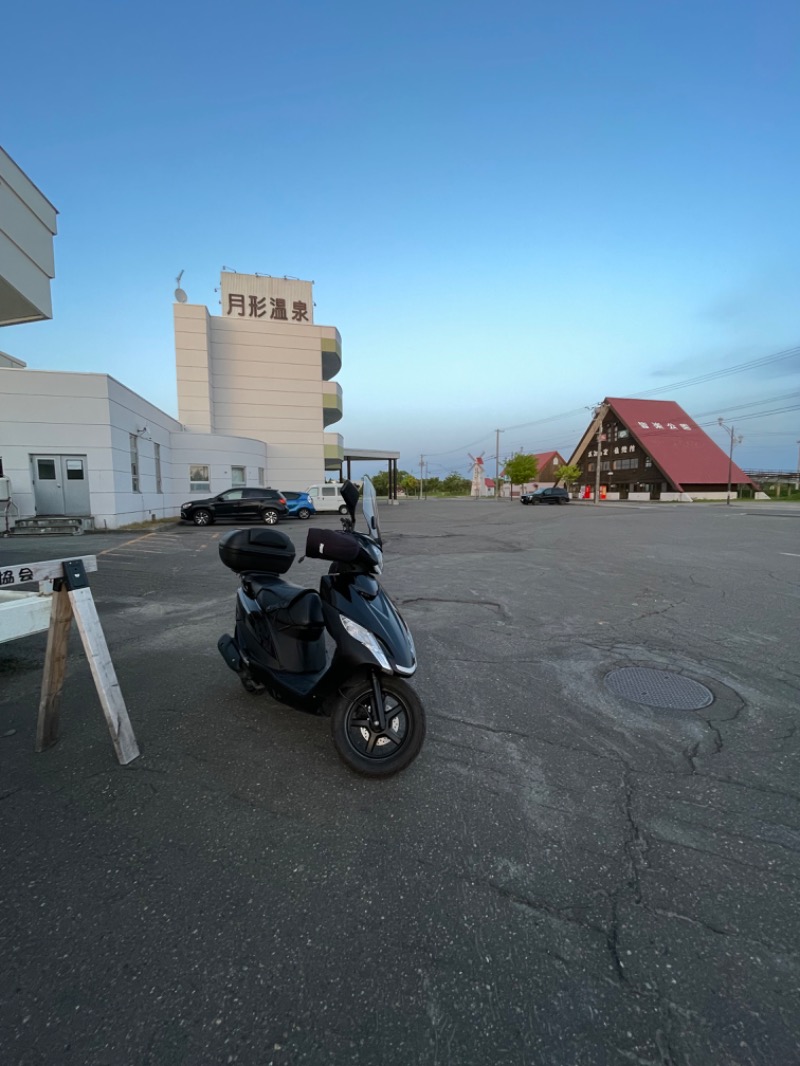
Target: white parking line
(133, 551)
(794, 555)
(126, 543)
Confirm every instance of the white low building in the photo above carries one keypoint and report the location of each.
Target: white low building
(83, 446)
(83, 450)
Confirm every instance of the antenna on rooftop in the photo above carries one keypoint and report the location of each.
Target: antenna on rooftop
(180, 295)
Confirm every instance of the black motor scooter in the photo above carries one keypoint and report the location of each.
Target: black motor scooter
(377, 720)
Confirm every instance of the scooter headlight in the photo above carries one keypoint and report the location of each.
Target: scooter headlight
(369, 640)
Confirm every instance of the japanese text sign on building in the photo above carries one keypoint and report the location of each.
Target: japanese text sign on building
(664, 425)
(256, 298)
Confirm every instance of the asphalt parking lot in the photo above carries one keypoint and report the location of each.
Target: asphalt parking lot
(565, 876)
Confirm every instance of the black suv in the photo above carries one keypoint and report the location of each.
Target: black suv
(546, 496)
(263, 505)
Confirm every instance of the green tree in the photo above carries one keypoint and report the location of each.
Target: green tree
(410, 485)
(381, 482)
(456, 485)
(521, 468)
(570, 475)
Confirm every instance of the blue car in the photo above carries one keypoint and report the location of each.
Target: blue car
(298, 505)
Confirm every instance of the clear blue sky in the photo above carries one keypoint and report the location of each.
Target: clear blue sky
(510, 210)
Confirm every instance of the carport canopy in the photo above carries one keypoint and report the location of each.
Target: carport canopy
(373, 455)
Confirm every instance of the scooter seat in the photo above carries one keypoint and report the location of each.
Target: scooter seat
(289, 606)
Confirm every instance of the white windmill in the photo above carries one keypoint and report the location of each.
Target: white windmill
(478, 477)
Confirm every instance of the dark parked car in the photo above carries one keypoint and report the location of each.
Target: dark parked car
(237, 505)
(546, 496)
(299, 504)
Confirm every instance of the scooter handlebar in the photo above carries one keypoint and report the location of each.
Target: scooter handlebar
(331, 545)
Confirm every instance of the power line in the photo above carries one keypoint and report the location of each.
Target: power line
(756, 414)
(759, 433)
(752, 403)
(765, 360)
(701, 379)
(462, 449)
(541, 421)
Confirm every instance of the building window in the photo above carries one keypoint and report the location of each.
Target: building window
(261, 476)
(158, 468)
(626, 464)
(605, 465)
(590, 468)
(134, 462)
(238, 476)
(198, 479)
(74, 469)
(623, 433)
(648, 461)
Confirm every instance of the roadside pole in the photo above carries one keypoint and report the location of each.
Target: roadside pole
(734, 440)
(497, 464)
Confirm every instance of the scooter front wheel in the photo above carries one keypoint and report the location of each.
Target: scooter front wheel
(378, 752)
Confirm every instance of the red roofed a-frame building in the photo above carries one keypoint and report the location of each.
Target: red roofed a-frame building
(651, 449)
(547, 464)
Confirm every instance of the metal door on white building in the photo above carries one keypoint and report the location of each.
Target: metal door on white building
(60, 484)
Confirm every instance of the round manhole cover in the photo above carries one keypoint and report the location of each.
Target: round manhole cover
(658, 688)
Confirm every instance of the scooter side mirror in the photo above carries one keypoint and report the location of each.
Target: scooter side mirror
(349, 494)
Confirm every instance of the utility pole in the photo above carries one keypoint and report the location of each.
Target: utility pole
(734, 440)
(497, 464)
(421, 463)
(599, 460)
(797, 479)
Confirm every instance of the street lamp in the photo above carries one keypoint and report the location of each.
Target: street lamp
(734, 440)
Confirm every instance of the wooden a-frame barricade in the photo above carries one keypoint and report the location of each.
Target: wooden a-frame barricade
(22, 614)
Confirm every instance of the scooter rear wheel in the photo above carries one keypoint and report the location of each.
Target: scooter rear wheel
(378, 754)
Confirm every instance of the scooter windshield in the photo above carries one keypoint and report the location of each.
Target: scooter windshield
(369, 505)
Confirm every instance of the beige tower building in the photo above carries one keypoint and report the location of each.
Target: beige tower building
(264, 370)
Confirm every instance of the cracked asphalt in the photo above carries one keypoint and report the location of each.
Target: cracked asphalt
(564, 877)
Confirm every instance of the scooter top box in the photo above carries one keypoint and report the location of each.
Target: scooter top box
(266, 551)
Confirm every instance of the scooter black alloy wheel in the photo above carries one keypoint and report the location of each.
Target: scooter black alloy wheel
(378, 753)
